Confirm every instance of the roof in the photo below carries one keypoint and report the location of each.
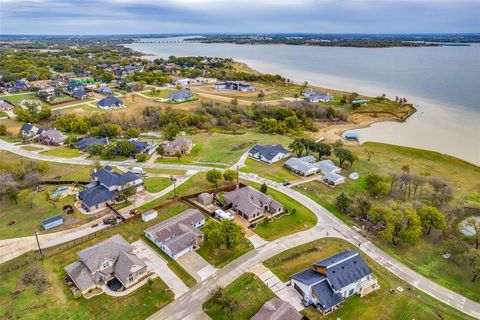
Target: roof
(300, 166)
(141, 146)
(249, 200)
(149, 212)
(308, 159)
(78, 93)
(96, 195)
(26, 127)
(126, 263)
(53, 134)
(326, 166)
(109, 178)
(177, 232)
(277, 309)
(109, 101)
(52, 219)
(182, 94)
(344, 268)
(331, 176)
(268, 151)
(326, 296)
(80, 274)
(85, 142)
(308, 276)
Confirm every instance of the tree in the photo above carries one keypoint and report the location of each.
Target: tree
(170, 131)
(7, 182)
(50, 198)
(342, 202)
(475, 224)
(125, 148)
(344, 155)
(3, 130)
(431, 218)
(213, 176)
(161, 150)
(375, 185)
(224, 235)
(230, 175)
(178, 154)
(369, 154)
(94, 149)
(132, 133)
(141, 157)
(123, 195)
(473, 259)
(323, 150)
(362, 204)
(264, 188)
(25, 198)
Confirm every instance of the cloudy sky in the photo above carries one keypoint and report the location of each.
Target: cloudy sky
(236, 16)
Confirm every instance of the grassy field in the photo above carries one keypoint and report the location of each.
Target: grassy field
(31, 148)
(410, 304)
(154, 185)
(165, 171)
(63, 152)
(275, 171)
(302, 219)
(250, 293)
(16, 99)
(223, 148)
(164, 93)
(221, 257)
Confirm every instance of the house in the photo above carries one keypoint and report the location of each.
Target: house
(52, 137)
(183, 82)
(205, 198)
(268, 153)
(87, 141)
(308, 159)
(315, 96)
(327, 166)
(143, 147)
(104, 89)
(29, 130)
(181, 95)
(234, 85)
(111, 259)
(251, 204)
(79, 94)
(149, 215)
(104, 187)
(72, 86)
(179, 234)
(333, 179)
(110, 102)
(5, 106)
(277, 309)
(180, 144)
(300, 167)
(52, 222)
(20, 86)
(332, 280)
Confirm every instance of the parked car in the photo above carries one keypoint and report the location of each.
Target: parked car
(108, 220)
(286, 183)
(137, 170)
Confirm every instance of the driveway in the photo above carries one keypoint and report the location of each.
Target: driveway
(198, 267)
(158, 265)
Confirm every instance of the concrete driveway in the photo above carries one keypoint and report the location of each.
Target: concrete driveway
(158, 265)
(198, 267)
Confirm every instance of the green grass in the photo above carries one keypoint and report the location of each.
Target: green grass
(250, 293)
(164, 93)
(275, 171)
(172, 264)
(63, 152)
(165, 171)
(16, 99)
(221, 257)
(155, 184)
(302, 219)
(3, 114)
(410, 304)
(31, 148)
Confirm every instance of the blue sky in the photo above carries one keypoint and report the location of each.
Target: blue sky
(235, 16)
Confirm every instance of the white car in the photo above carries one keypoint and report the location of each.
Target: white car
(137, 170)
(222, 215)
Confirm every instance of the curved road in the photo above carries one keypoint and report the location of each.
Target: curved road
(188, 306)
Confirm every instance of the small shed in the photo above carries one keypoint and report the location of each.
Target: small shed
(52, 222)
(333, 179)
(149, 215)
(351, 136)
(205, 198)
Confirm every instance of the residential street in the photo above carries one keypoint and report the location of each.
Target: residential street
(189, 305)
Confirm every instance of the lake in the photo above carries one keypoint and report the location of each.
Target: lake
(443, 81)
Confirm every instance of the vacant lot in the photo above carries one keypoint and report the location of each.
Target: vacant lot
(275, 171)
(221, 257)
(410, 304)
(63, 152)
(154, 185)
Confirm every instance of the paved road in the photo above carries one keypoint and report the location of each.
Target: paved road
(189, 305)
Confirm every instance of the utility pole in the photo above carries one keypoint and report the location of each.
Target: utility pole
(38, 243)
(174, 180)
(238, 174)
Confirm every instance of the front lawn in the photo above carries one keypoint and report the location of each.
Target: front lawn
(275, 171)
(166, 171)
(154, 185)
(63, 152)
(249, 292)
(221, 257)
(410, 304)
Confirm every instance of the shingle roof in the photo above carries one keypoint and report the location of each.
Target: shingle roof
(109, 101)
(80, 274)
(308, 276)
(182, 94)
(96, 195)
(325, 295)
(326, 166)
(249, 200)
(334, 177)
(109, 178)
(78, 93)
(107, 249)
(268, 151)
(277, 309)
(85, 142)
(125, 263)
(26, 127)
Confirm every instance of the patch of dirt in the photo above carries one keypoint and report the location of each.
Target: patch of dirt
(34, 277)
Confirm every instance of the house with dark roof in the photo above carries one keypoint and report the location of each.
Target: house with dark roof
(252, 205)
(105, 89)
(277, 309)
(87, 141)
(110, 102)
(72, 86)
(143, 147)
(268, 153)
(103, 262)
(105, 185)
(181, 95)
(179, 144)
(330, 281)
(29, 130)
(20, 86)
(179, 234)
(79, 94)
(52, 137)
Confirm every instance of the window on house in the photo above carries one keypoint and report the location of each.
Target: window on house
(351, 292)
(130, 277)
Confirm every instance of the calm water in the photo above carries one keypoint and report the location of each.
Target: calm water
(444, 81)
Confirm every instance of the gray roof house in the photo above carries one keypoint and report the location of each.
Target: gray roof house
(181, 95)
(85, 142)
(300, 167)
(110, 102)
(268, 153)
(104, 261)
(277, 309)
(251, 204)
(5, 106)
(179, 234)
(181, 144)
(52, 137)
(29, 130)
(330, 281)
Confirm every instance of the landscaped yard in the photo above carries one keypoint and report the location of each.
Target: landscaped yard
(63, 152)
(249, 292)
(221, 257)
(410, 304)
(154, 185)
(275, 171)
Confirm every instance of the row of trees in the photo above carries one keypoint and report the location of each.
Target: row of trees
(214, 176)
(304, 146)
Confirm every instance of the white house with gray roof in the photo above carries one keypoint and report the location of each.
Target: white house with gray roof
(178, 235)
(105, 261)
(251, 204)
(268, 153)
(181, 95)
(330, 281)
